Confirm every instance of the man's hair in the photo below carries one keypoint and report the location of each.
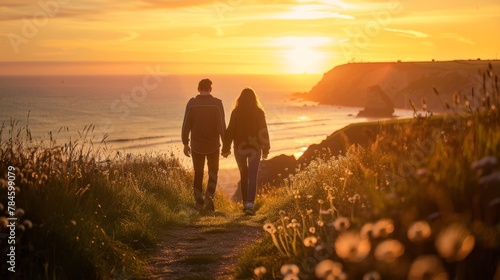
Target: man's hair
(205, 85)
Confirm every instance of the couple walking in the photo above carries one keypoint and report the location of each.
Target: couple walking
(204, 122)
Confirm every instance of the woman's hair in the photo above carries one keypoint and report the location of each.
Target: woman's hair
(248, 100)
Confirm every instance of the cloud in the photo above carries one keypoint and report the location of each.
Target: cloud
(408, 33)
(457, 37)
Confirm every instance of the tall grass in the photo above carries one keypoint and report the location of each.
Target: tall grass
(83, 211)
(421, 202)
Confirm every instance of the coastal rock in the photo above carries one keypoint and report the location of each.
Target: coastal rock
(345, 84)
(274, 170)
(378, 104)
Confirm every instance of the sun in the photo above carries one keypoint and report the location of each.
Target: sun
(303, 60)
(303, 54)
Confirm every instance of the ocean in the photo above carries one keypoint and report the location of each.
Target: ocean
(143, 114)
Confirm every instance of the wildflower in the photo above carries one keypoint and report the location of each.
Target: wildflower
(309, 211)
(419, 231)
(383, 228)
(312, 230)
(455, 242)
(321, 201)
(282, 212)
(366, 230)
(373, 275)
(28, 224)
(427, 267)
(270, 228)
(3, 222)
(310, 241)
(291, 277)
(19, 212)
(287, 269)
(352, 247)
(486, 162)
(492, 178)
(21, 228)
(328, 269)
(321, 223)
(341, 223)
(260, 271)
(389, 250)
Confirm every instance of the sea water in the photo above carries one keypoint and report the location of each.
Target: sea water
(140, 114)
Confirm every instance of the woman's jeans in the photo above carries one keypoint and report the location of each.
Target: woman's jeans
(248, 161)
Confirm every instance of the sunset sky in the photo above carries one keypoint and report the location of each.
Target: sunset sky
(238, 36)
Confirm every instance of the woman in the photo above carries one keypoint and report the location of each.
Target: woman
(248, 129)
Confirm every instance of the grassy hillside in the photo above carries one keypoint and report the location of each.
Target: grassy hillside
(422, 200)
(84, 212)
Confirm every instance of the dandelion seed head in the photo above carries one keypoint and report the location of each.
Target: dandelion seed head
(3, 222)
(287, 269)
(341, 223)
(19, 212)
(389, 250)
(291, 277)
(310, 241)
(270, 228)
(352, 247)
(373, 275)
(260, 271)
(366, 230)
(455, 242)
(383, 228)
(427, 267)
(328, 269)
(28, 224)
(419, 231)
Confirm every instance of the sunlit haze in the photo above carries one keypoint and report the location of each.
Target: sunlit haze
(238, 37)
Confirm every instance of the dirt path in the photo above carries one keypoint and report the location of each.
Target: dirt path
(207, 250)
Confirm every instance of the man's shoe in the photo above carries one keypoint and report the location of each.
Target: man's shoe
(209, 204)
(199, 206)
(249, 212)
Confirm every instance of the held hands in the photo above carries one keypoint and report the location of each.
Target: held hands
(225, 154)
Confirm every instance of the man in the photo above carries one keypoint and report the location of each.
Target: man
(204, 120)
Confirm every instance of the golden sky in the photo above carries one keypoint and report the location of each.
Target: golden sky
(239, 36)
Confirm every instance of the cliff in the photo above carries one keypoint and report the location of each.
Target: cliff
(349, 84)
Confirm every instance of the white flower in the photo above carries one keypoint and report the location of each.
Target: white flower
(455, 242)
(352, 247)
